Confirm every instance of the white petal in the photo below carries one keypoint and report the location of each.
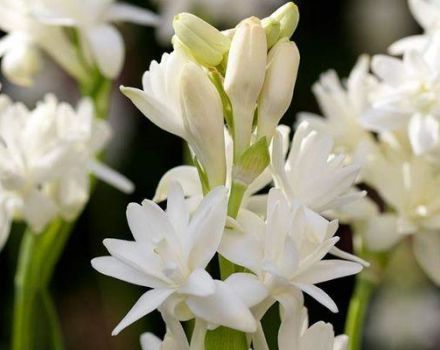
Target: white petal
(291, 310)
(426, 249)
(247, 286)
(110, 266)
(425, 12)
(244, 247)
(320, 336)
(38, 210)
(158, 113)
(111, 177)
(382, 120)
(341, 342)
(327, 270)
(177, 210)
(388, 68)
(199, 283)
(319, 295)
(380, 232)
(186, 176)
(5, 226)
(140, 257)
(148, 222)
(107, 48)
(223, 308)
(148, 302)
(206, 228)
(347, 256)
(413, 42)
(423, 132)
(121, 12)
(150, 342)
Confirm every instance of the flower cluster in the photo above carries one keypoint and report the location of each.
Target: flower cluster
(387, 119)
(32, 26)
(224, 93)
(46, 156)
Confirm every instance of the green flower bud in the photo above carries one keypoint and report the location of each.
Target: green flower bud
(200, 39)
(273, 31)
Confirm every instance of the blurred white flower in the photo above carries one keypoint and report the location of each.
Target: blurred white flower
(312, 173)
(100, 41)
(427, 15)
(46, 156)
(170, 253)
(25, 37)
(342, 106)
(408, 97)
(178, 97)
(411, 191)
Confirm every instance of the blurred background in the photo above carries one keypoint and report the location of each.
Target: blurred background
(406, 311)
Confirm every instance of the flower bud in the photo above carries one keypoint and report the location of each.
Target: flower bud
(244, 77)
(21, 63)
(203, 120)
(273, 31)
(288, 17)
(200, 39)
(277, 92)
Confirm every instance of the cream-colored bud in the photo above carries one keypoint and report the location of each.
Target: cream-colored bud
(273, 31)
(203, 120)
(20, 64)
(244, 78)
(202, 41)
(288, 17)
(277, 92)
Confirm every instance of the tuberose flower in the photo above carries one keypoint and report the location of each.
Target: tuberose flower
(170, 253)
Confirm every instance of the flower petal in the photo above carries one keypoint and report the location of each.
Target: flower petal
(423, 132)
(121, 12)
(327, 270)
(107, 48)
(319, 295)
(111, 177)
(199, 283)
(247, 286)
(148, 302)
(223, 308)
(426, 249)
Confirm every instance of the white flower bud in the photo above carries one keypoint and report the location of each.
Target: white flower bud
(203, 120)
(245, 76)
(21, 63)
(288, 17)
(200, 39)
(277, 92)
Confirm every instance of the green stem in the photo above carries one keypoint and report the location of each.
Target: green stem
(357, 311)
(53, 322)
(366, 283)
(25, 292)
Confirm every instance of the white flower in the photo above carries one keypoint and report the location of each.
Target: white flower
(46, 156)
(25, 36)
(178, 97)
(170, 253)
(408, 97)
(312, 174)
(100, 40)
(342, 106)
(286, 251)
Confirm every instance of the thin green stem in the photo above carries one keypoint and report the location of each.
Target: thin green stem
(56, 338)
(357, 311)
(366, 283)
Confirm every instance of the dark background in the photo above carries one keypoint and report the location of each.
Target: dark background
(331, 34)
